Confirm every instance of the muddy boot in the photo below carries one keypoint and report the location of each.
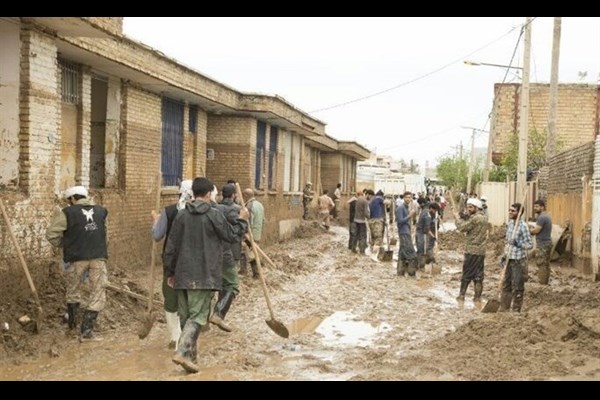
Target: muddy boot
(73, 311)
(186, 354)
(174, 328)
(218, 316)
(87, 327)
(505, 300)
(517, 302)
(412, 268)
(401, 268)
(254, 269)
(544, 274)
(464, 285)
(478, 291)
(421, 261)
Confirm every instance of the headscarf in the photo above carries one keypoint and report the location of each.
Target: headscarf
(185, 193)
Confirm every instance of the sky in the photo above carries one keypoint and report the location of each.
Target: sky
(396, 85)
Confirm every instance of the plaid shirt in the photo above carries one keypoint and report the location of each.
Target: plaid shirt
(523, 238)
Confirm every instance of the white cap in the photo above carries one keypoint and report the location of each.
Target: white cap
(475, 202)
(483, 198)
(309, 183)
(186, 186)
(72, 191)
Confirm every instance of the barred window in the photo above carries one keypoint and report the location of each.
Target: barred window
(70, 82)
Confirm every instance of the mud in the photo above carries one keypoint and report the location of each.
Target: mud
(350, 318)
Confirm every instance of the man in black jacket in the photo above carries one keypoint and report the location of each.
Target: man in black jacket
(193, 259)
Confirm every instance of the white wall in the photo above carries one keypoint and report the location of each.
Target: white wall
(10, 52)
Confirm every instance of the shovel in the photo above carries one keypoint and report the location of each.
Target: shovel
(148, 319)
(493, 305)
(40, 313)
(275, 325)
(386, 255)
(393, 241)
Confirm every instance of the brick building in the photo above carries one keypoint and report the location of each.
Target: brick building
(83, 104)
(576, 115)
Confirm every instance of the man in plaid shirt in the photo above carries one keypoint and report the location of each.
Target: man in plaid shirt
(513, 282)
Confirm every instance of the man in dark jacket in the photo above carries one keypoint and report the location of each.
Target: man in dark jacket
(232, 253)
(193, 258)
(81, 231)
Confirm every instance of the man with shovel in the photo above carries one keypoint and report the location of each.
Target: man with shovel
(422, 232)
(406, 253)
(193, 260)
(513, 282)
(160, 229)
(475, 228)
(80, 229)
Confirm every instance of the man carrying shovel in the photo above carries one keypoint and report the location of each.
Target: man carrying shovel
(513, 282)
(475, 228)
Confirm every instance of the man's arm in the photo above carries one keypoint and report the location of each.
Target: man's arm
(159, 228)
(56, 230)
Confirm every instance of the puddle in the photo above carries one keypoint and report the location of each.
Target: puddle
(342, 329)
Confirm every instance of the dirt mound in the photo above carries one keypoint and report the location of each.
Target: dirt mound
(308, 229)
(451, 240)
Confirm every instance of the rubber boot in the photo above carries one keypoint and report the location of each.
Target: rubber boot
(517, 301)
(544, 274)
(464, 285)
(401, 268)
(174, 328)
(73, 311)
(221, 308)
(412, 268)
(421, 261)
(186, 354)
(478, 291)
(87, 327)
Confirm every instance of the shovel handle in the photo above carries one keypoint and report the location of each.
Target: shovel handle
(21, 258)
(154, 246)
(256, 257)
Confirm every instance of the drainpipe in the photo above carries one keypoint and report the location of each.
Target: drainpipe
(595, 242)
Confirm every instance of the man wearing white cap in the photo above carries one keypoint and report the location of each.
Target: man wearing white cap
(475, 228)
(80, 229)
(160, 229)
(306, 198)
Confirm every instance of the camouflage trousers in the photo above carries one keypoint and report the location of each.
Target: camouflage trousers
(542, 260)
(376, 227)
(97, 275)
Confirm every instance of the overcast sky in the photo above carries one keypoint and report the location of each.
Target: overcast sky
(316, 63)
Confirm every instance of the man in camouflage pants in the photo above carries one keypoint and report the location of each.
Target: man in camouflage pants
(475, 228)
(542, 232)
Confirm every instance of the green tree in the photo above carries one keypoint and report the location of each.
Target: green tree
(453, 172)
(536, 152)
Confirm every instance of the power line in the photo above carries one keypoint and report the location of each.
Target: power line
(415, 79)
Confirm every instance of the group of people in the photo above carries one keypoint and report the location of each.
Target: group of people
(473, 222)
(327, 206)
(202, 252)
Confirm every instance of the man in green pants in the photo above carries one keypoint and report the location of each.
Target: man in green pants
(232, 253)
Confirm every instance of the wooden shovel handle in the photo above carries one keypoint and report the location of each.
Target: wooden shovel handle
(154, 246)
(256, 257)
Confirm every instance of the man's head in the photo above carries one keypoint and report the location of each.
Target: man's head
(75, 193)
(309, 184)
(379, 193)
(248, 194)
(434, 207)
(539, 206)
(422, 201)
(228, 191)
(202, 188)
(407, 197)
(185, 193)
(339, 186)
(513, 211)
(474, 205)
(325, 191)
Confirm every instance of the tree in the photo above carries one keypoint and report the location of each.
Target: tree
(453, 172)
(536, 152)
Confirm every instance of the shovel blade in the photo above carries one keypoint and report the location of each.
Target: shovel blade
(278, 327)
(146, 326)
(393, 241)
(491, 306)
(388, 256)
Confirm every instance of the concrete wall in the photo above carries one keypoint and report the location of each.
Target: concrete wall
(9, 103)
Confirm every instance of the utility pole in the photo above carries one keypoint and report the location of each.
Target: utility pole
(524, 115)
(551, 140)
(471, 162)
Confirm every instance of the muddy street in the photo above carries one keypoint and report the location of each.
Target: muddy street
(350, 318)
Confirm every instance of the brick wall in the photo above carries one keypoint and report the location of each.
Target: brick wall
(111, 24)
(330, 170)
(576, 115)
(567, 168)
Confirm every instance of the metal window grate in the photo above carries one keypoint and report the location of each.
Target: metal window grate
(193, 119)
(69, 74)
